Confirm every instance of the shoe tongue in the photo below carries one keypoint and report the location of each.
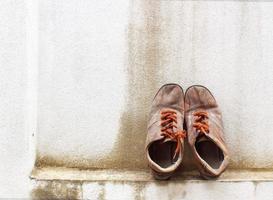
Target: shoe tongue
(202, 138)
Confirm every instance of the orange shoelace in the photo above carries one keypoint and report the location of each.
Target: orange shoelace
(168, 123)
(201, 124)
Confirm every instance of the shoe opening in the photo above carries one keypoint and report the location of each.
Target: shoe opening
(162, 153)
(209, 152)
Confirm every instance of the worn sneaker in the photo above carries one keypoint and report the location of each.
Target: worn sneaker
(205, 131)
(165, 138)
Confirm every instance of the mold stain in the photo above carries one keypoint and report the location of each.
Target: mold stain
(51, 190)
(102, 192)
(143, 64)
(139, 187)
(145, 58)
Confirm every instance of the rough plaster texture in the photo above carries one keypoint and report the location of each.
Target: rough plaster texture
(99, 71)
(79, 175)
(53, 190)
(192, 190)
(15, 161)
(101, 62)
(72, 183)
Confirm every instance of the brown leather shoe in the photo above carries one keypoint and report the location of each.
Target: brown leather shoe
(205, 131)
(165, 138)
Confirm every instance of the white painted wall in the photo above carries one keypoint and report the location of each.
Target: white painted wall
(100, 64)
(100, 69)
(82, 79)
(16, 159)
(178, 190)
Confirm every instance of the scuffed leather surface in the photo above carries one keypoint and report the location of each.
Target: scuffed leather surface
(199, 98)
(169, 97)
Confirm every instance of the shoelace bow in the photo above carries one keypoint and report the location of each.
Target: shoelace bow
(168, 123)
(201, 124)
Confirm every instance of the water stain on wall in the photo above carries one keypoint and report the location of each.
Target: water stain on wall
(144, 56)
(51, 190)
(145, 66)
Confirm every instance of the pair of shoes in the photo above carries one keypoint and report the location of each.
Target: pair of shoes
(203, 122)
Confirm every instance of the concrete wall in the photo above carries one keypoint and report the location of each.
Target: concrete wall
(99, 71)
(16, 125)
(156, 190)
(85, 72)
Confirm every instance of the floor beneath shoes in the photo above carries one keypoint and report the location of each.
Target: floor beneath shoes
(64, 183)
